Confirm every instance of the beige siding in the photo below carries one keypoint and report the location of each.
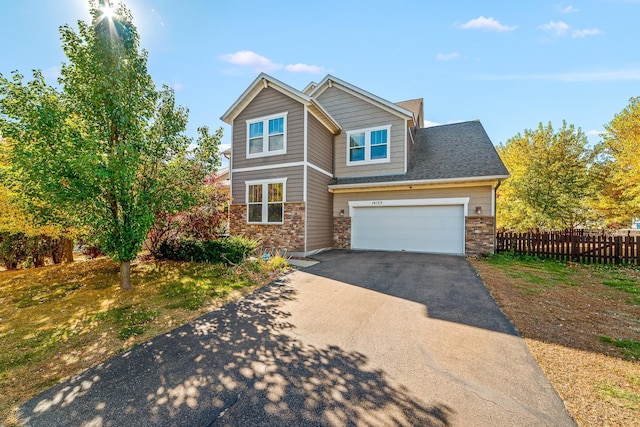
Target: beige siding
(294, 184)
(478, 196)
(269, 102)
(319, 219)
(353, 113)
(319, 145)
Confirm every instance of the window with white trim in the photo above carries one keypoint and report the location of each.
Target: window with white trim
(265, 201)
(368, 145)
(267, 136)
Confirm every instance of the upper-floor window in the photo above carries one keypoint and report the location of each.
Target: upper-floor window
(267, 136)
(265, 201)
(368, 145)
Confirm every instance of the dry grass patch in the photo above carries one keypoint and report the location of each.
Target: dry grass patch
(59, 320)
(582, 324)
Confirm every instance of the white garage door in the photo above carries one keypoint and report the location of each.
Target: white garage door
(435, 229)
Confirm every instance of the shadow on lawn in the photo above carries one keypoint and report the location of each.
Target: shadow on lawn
(240, 365)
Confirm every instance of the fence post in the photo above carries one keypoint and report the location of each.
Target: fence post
(618, 249)
(575, 253)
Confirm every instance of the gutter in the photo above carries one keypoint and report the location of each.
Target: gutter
(338, 187)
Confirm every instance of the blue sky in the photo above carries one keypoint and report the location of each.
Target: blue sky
(510, 64)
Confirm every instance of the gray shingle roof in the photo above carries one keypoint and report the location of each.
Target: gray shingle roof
(459, 150)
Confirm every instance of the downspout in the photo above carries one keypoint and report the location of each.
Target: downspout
(305, 176)
(495, 216)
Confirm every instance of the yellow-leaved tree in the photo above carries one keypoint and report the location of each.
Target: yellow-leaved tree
(619, 199)
(550, 186)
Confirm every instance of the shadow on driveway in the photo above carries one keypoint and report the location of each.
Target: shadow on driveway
(243, 353)
(448, 286)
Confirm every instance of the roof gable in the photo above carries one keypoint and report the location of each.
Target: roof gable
(331, 81)
(264, 81)
(415, 106)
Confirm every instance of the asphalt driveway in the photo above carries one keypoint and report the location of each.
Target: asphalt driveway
(362, 338)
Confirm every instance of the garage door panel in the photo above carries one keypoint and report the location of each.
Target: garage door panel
(437, 229)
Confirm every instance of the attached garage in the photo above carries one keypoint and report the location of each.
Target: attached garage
(424, 225)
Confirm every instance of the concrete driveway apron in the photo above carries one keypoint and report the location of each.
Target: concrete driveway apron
(362, 338)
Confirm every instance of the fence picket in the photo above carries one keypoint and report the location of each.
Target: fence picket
(578, 246)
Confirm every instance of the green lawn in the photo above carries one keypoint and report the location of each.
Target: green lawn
(56, 321)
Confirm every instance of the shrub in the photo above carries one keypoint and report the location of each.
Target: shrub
(229, 250)
(13, 249)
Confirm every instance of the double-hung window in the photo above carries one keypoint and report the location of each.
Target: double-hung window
(265, 201)
(267, 136)
(368, 145)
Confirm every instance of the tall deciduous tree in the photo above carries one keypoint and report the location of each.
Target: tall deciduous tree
(621, 147)
(108, 146)
(549, 185)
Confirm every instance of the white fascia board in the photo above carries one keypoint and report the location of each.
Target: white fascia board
(309, 88)
(417, 182)
(261, 82)
(324, 117)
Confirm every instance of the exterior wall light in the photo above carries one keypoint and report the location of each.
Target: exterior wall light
(478, 210)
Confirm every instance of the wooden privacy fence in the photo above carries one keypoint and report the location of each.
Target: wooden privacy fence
(571, 246)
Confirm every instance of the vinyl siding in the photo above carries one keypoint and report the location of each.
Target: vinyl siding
(319, 219)
(478, 196)
(319, 145)
(353, 113)
(269, 101)
(294, 184)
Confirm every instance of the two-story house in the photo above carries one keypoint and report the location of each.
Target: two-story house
(334, 166)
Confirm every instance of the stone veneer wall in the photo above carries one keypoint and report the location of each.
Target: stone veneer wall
(341, 232)
(286, 237)
(480, 235)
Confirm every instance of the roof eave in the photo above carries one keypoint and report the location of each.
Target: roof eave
(363, 185)
(323, 116)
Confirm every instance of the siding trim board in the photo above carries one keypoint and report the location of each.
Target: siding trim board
(319, 169)
(282, 165)
(406, 148)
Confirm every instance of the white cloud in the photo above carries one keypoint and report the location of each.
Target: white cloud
(567, 9)
(560, 28)
(177, 86)
(259, 63)
(447, 56)
(595, 132)
(247, 58)
(577, 34)
(304, 68)
(485, 24)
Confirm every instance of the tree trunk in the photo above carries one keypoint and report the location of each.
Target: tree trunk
(125, 275)
(68, 250)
